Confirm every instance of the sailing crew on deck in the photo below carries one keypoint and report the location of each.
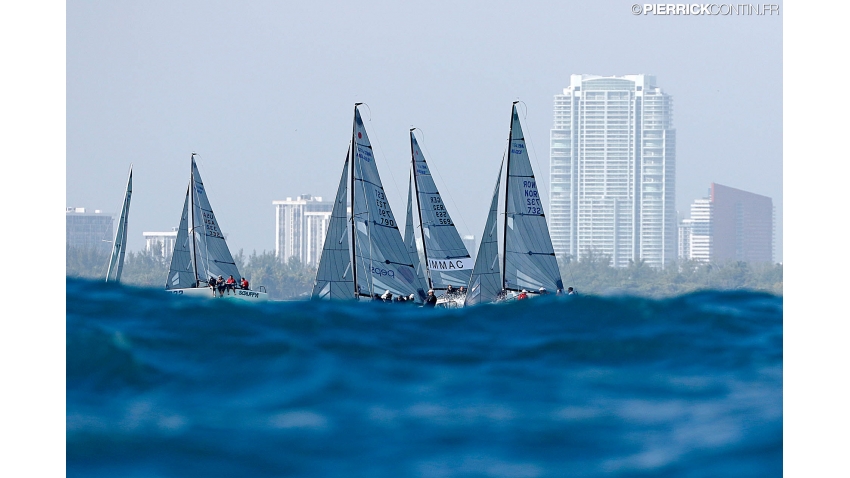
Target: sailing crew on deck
(221, 285)
(522, 295)
(211, 282)
(244, 283)
(449, 290)
(230, 284)
(570, 291)
(387, 297)
(431, 300)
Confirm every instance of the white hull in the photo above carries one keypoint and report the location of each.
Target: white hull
(454, 301)
(207, 293)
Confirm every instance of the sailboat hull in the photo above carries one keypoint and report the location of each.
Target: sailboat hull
(455, 301)
(207, 293)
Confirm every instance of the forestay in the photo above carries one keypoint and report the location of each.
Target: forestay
(447, 260)
(485, 284)
(334, 277)
(530, 261)
(381, 259)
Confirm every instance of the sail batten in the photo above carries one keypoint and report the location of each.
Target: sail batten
(381, 258)
(200, 250)
(529, 258)
(447, 260)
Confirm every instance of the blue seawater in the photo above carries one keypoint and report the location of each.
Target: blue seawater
(162, 386)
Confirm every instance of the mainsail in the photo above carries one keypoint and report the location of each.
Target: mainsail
(119, 245)
(381, 260)
(410, 244)
(334, 277)
(447, 260)
(200, 251)
(485, 284)
(529, 260)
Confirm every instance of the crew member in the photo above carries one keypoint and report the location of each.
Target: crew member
(431, 300)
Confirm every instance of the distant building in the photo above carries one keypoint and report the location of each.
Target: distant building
(730, 224)
(86, 229)
(160, 243)
(613, 170)
(300, 227)
(696, 237)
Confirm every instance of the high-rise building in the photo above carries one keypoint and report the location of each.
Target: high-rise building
(730, 224)
(300, 227)
(88, 229)
(695, 236)
(160, 243)
(613, 170)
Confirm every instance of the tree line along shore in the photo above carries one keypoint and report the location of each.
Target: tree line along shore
(591, 274)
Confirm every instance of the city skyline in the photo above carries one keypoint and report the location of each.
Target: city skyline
(266, 102)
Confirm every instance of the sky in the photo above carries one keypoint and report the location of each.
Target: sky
(72, 123)
(264, 91)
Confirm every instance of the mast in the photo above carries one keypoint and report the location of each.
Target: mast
(191, 193)
(419, 211)
(507, 186)
(353, 228)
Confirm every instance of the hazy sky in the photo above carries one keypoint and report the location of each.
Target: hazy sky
(264, 92)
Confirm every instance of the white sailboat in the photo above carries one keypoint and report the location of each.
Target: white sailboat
(119, 244)
(375, 260)
(527, 256)
(200, 250)
(447, 262)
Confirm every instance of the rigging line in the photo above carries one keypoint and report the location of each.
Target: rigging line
(527, 135)
(454, 204)
(383, 158)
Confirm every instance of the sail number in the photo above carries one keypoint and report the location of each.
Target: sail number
(385, 216)
(210, 227)
(440, 211)
(532, 198)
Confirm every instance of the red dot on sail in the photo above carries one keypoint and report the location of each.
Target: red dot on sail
(359, 135)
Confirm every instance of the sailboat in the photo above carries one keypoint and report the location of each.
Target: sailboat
(200, 250)
(364, 252)
(528, 261)
(447, 262)
(119, 244)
